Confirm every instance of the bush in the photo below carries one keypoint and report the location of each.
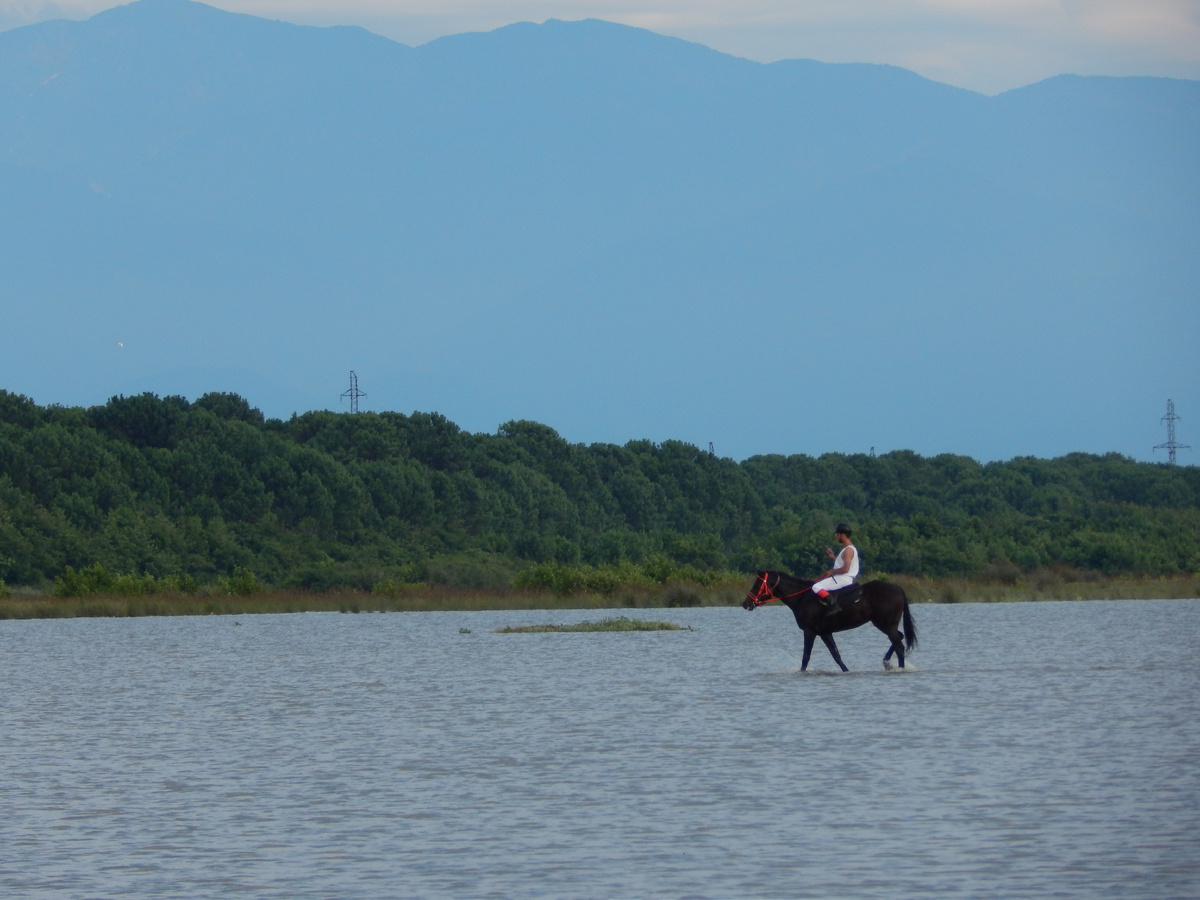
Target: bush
(677, 595)
(566, 580)
(240, 583)
(389, 587)
(951, 592)
(177, 584)
(562, 580)
(95, 579)
(332, 576)
(1002, 572)
(472, 570)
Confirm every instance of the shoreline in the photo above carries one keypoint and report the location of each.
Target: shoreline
(1042, 587)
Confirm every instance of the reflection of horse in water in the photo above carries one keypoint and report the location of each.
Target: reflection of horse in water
(881, 603)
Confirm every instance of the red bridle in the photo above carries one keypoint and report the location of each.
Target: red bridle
(765, 593)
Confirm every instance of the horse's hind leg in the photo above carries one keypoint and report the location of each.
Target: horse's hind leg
(897, 647)
(897, 640)
(833, 651)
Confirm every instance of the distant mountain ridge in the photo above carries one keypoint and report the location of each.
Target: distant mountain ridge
(591, 225)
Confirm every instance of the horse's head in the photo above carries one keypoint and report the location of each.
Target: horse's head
(761, 591)
(775, 586)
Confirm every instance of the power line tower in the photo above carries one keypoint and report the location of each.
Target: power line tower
(354, 393)
(1171, 445)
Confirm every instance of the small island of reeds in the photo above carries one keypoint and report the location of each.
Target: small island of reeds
(617, 623)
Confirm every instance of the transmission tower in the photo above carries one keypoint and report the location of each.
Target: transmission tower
(1171, 445)
(354, 393)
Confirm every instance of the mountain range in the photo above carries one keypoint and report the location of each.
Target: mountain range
(619, 234)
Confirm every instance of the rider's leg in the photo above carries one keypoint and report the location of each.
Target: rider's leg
(832, 583)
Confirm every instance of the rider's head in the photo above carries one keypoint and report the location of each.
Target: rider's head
(842, 528)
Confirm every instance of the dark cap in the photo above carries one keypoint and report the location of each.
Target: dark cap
(842, 528)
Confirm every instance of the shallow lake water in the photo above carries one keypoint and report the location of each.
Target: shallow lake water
(1033, 750)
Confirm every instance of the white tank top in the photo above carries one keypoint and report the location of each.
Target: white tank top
(840, 561)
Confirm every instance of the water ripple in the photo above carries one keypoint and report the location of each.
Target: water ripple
(1037, 750)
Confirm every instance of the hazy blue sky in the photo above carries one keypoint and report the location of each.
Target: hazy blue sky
(1021, 271)
(986, 45)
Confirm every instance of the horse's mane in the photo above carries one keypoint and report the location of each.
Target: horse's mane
(790, 577)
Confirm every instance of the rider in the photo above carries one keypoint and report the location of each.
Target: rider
(845, 566)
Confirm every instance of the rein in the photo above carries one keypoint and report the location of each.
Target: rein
(758, 597)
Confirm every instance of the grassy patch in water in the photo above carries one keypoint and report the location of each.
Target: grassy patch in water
(619, 623)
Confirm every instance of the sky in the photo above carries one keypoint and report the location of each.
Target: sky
(984, 45)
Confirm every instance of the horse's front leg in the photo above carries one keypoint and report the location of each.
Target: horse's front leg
(833, 650)
(809, 638)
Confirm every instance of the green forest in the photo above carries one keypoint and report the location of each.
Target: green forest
(192, 493)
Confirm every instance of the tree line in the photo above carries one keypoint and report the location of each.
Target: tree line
(202, 490)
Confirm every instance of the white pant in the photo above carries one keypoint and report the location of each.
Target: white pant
(832, 583)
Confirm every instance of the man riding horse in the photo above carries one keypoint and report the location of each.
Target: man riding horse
(844, 571)
(815, 604)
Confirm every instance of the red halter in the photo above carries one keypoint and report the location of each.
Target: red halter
(766, 593)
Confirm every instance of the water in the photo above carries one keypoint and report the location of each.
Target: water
(1037, 750)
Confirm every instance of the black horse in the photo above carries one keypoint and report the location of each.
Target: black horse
(881, 603)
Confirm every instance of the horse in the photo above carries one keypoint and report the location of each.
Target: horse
(881, 603)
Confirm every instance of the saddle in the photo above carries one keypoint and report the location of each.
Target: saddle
(851, 593)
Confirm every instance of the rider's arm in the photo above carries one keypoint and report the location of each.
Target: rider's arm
(845, 566)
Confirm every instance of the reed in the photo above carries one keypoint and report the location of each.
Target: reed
(21, 603)
(1049, 584)
(619, 623)
(421, 599)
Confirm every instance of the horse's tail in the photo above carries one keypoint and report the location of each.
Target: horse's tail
(910, 630)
